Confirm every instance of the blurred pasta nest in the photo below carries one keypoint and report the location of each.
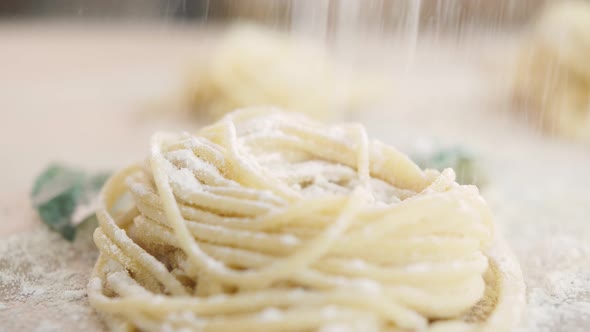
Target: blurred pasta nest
(553, 75)
(254, 66)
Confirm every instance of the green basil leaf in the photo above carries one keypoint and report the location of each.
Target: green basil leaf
(64, 197)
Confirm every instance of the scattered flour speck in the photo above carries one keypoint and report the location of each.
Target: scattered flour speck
(289, 239)
(271, 314)
(74, 294)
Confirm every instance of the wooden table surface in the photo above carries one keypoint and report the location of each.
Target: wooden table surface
(80, 94)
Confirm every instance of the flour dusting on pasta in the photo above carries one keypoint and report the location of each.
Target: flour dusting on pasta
(269, 221)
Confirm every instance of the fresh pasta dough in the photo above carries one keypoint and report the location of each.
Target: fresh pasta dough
(254, 66)
(269, 221)
(553, 74)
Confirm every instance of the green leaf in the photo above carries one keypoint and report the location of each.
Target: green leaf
(464, 163)
(64, 197)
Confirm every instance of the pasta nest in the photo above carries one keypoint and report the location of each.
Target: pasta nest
(253, 66)
(553, 73)
(269, 221)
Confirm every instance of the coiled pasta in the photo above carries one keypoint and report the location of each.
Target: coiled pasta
(268, 221)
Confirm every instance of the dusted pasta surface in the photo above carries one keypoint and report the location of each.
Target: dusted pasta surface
(267, 220)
